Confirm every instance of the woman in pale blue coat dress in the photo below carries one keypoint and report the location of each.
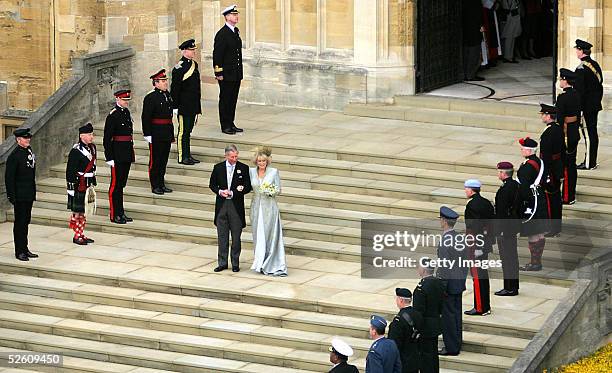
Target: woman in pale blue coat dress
(269, 248)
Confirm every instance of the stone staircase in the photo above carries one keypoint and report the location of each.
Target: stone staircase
(145, 296)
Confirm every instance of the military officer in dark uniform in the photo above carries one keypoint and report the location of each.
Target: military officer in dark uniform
(185, 91)
(589, 83)
(534, 217)
(405, 329)
(568, 116)
(479, 215)
(158, 130)
(427, 299)
(119, 153)
(19, 179)
(227, 63)
(552, 153)
(80, 176)
(454, 279)
(339, 352)
(383, 356)
(507, 227)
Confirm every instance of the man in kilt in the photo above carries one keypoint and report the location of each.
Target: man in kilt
(533, 204)
(80, 179)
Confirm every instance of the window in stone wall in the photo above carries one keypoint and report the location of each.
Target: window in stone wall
(339, 24)
(268, 21)
(303, 19)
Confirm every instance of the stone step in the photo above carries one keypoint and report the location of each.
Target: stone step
(444, 116)
(78, 365)
(351, 186)
(144, 357)
(317, 303)
(323, 207)
(278, 326)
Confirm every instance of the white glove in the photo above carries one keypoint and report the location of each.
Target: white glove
(111, 163)
(478, 253)
(148, 139)
(175, 112)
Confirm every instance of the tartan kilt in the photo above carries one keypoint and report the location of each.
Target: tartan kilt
(76, 203)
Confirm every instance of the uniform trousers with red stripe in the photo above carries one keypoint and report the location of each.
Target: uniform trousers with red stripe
(119, 177)
(482, 299)
(554, 204)
(570, 173)
(159, 151)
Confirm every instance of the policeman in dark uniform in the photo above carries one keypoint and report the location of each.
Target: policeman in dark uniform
(383, 356)
(568, 116)
(454, 278)
(479, 215)
(80, 176)
(185, 91)
(158, 130)
(427, 299)
(589, 83)
(533, 213)
(227, 63)
(19, 179)
(507, 226)
(552, 152)
(119, 153)
(339, 352)
(405, 329)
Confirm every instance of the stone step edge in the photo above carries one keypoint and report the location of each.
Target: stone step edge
(40, 285)
(67, 344)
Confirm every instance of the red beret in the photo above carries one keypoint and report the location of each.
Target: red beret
(505, 166)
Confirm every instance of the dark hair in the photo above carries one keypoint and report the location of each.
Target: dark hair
(340, 356)
(380, 330)
(587, 52)
(476, 190)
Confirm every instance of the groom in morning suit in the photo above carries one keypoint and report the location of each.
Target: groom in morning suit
(229, 181)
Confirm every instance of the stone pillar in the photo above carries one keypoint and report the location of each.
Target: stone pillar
(365, 33)
(3, 96)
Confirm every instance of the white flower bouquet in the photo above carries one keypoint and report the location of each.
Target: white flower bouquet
(268, 189)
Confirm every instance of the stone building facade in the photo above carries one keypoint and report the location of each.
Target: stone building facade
(304, 53)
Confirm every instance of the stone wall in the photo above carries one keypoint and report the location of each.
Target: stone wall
(83, 97)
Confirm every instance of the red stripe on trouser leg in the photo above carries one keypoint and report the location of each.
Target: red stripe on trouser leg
(477, 296)
(565, 185)
(111, 190)
(150, 159)
(548, 206)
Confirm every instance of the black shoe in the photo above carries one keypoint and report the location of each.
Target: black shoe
(473, 312)
(229, 132)
(79, 241)
(89, 240)
(572, 202)
(443, 352)
(31, 254)
(506, 293)
(195, 161)
(119, 220)
(187, 162)
(530, 267)
(236, 129)
(166, 189)
(581, 166)
(220, 268)
(475, 79)
(158, 191)
(235, 269)
(127, 218)
(23, 257)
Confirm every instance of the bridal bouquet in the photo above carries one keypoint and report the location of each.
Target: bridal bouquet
(268, 189)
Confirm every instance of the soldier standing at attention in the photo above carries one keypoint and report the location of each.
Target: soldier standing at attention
(185, 91)
(568, 115)
(19, 179)
(227, 63)
(383, 356)
(119, 153)
(339, 352)
(80, 176)
(427, 299)
(508, 225)
(552, 152)
(405, 329)
(158, 130)
(589, 83)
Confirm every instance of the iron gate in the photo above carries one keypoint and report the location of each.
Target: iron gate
(439, 61)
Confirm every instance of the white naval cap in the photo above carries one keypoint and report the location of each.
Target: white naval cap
(230, 9)
(341, 347)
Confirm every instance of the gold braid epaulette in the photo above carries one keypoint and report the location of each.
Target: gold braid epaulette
(593, 69)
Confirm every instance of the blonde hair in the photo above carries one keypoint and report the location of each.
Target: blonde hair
(262, 152)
